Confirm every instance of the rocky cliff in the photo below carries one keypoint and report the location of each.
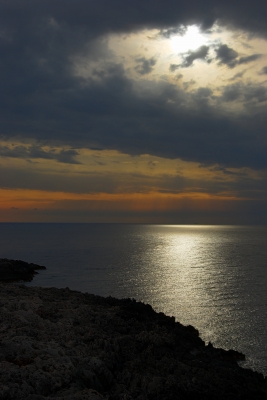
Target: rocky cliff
(62, 344)
(14, 270)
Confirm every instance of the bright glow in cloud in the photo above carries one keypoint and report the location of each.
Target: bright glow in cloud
(191, 40)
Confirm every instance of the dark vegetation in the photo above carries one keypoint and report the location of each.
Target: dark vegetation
(14, 270)
(61, 344)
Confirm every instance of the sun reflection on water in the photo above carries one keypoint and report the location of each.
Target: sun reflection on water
(199, 276)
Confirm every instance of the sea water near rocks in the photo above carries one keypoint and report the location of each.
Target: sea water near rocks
(212, 277)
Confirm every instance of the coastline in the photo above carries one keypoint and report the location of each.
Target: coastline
(62, 344)
(16, 270)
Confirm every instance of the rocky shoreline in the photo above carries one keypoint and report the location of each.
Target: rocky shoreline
(14, 270)
(61, 344)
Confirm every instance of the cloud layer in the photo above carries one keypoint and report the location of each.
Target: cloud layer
(42, 98)
(64, 89)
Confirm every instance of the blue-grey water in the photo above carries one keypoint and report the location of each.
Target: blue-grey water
(212, 277)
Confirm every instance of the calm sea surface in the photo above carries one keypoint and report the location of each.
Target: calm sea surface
(212, 277)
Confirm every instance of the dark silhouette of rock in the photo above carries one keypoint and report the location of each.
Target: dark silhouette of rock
(61, 344)
(16, 270)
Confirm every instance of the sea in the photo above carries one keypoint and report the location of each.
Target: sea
(211, 277)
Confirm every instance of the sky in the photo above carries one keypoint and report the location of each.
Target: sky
(133, 111)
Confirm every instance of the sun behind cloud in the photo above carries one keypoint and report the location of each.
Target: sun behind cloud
(191, 40)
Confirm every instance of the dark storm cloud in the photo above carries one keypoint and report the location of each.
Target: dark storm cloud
(244, 93)
(67, 156)
(103, 16)
(41, 96)
(258, 93)
(248, 59)
(58, 182)
(174, 67)
(232, 92)
(167, 33)
(238, 75)
(227, 55)
(111, 113)
(145, 65)
(33, 152)
(264, 71)
(199, 54)
(201, 97)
